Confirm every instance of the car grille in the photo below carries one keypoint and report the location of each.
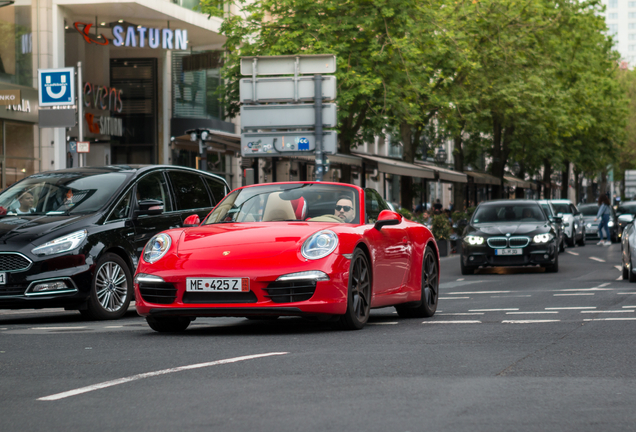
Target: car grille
(497, 242)
(219, 297)
(161, 293)
(519, 241)
(10, 262)
(8, 290)
(290, 291)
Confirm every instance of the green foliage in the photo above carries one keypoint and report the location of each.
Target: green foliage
(441, 227)
(407, 214)
(470, 211)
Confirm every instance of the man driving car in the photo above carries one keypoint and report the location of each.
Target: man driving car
(344, 209)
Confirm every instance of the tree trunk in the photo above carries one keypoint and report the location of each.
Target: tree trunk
(565, 180)
(547, 179)
(500, 152)
(459, 192)
(603, 185)
(590, 191)
(406, 186)
(577, 185)
(520, 193)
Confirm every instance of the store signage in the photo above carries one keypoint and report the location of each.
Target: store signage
(138, 36)
(9, 97)
(102, 97)
(56, 86)
(23, 106)
(104, 125)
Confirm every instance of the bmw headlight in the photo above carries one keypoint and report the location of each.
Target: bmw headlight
(61, 244)
(610, 224)
(157, 247)
(542, 238)
(474, 240)
(319, 245)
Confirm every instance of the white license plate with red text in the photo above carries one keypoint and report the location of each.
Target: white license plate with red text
(508, 252)
(218, 284)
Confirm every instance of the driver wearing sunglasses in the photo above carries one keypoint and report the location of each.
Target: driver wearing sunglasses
(344, 210)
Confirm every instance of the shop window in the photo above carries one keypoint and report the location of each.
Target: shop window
(16, 47)
(195, 80)
(18, 158)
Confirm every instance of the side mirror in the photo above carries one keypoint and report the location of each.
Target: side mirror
(560, 215)
(387, 217)
(558, 219)
(149, 207)
(627, 218)
(192, 221)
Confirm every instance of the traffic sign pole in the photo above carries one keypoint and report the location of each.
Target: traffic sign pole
(80, 113)
(318, 127)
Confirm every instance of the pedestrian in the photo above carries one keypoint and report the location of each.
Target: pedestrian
(604, 215)
(437, 207)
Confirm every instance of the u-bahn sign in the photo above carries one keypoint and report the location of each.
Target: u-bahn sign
(56, 86)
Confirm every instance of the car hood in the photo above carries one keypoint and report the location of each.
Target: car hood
(28, 229)
(588, 219)
(513, 228)
(245, 240)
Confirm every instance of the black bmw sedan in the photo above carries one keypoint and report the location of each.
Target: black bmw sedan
(72, 238)
(509, 233)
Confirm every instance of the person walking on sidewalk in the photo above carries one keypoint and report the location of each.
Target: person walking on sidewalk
(604, 215)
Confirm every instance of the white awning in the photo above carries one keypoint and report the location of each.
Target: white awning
(397, 167)
(446, 174)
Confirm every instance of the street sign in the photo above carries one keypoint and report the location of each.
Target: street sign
(284, 89)
(72, 146)
(83, 147)
(54, 118)
(286, 116)
(286, 65)
(56, 86)
(269, 144)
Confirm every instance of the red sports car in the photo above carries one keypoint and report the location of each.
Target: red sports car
(327, 250)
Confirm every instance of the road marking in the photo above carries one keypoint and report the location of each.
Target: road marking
(381, 323)
(527, 295)
(479, 292)
(620, 278)
(604, 285)
(106, 384)
(572, 294)
(608, 311)
(114, 326)
(587, 289)
(597, 259)
(627, 293)
(572, 253)
(629, 307)
(619, 268)
(452, 298)
(475, 313)
(57, 328)
(528, 321)
(451, 322)
(523, 313)
(492, 310)
(571, 308)
(459, 280)
(610, 319)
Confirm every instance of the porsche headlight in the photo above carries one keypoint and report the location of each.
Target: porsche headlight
(61, 244)
(156, 248)
(542, 238)
(319, 245)
(474, 240)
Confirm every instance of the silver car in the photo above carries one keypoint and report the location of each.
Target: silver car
(628, 247)
(573, 226)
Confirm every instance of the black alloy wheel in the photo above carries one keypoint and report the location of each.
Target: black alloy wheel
(625, 270)
(466, 270)
(581, 242)
(168, 325)
(430, 290)
(570, 240)
(630, 271)
(359, 293)
(562, 244)
(111, 289)
(553, 268)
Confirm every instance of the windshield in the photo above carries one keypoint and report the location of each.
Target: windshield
(60, 193)
(627, 208)
(289, 202)
(508, 212)
(561, 208)
(589, 210)
(546, 209)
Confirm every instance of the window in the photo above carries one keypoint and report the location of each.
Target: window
(217, 188)
(16, 45)
(614, 16)
(374, 204)
(632, 47)
(631, 15)
(189, 190)
(153, 186)
(613, 4)
(612, 29)
(122, 209)
(632, 36)
(631, 4)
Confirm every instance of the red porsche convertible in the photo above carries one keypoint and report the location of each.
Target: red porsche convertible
(326, 250)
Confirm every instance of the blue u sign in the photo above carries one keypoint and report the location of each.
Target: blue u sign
(56, 86)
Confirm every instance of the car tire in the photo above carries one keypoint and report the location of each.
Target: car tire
(465, 269)
(358, 293)
(625, 272)
(562, 245)
(570, 241)
(631, 276)
(429, 282)
(168, 325)
(582, 240)
(111, 289)
(553, 268)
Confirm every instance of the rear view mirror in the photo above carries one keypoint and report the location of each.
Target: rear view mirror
(627, 218)
(149, 207)
(192, 221)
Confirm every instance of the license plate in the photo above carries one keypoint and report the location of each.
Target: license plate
(508, 252)
(218, 284)
(3, 278)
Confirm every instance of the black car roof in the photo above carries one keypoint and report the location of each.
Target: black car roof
(124, 169)
(510, 201)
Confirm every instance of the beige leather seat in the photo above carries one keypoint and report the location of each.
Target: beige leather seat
(278, 210)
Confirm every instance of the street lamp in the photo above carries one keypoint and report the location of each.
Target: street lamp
(440, 156)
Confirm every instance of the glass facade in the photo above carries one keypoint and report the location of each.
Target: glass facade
(18, 155)
(16, 47)
(195, 84)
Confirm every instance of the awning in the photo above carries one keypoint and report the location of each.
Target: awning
(397, 167)
(338, 158)
(517, 182)
(445, 174)
(215, 141)
(483, 178)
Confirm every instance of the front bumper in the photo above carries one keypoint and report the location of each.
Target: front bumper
(484, 255)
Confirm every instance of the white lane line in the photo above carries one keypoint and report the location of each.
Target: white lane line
(629, 307)
(460, 279)
(527, 295)
(452, 322)
(105, 384)
(118, 326)
(571, 308)
(619, 268)
(608, 311)
(604, 285)
(572, 253)
(530, 313)
(381, 323)
(627, 293)
(586, 289)
(452, 298)
(528, 321)
(475, 313)
(572, 294)
(479, 292)
(57, 328)
(493, 310)
(610, 319)
(597, 259)
(620, 277)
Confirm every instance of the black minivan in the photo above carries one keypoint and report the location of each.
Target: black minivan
(72, 238)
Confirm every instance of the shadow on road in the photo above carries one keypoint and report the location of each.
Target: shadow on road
(51, 317)
(509, 270)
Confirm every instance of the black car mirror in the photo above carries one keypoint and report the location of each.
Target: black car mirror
(557, 219)
(149, 207)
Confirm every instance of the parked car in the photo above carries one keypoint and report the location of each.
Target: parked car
(622, 212)
(589, 212)
(509, 233)
(72, 238)
(555, 220)
(573, 226)
(327, 250)
(628, 248)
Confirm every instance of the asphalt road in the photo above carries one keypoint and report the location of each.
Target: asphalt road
(508, 350)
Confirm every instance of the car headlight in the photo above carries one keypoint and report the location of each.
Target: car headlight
(610, 224)
(319, 245)
(61, 244)
(542, 238)
(589, 225)
(157, 247)
(474, 240)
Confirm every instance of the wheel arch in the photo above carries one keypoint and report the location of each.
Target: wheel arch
(120, 252)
